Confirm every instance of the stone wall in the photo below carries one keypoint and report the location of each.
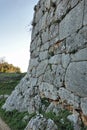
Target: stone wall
(58, 65)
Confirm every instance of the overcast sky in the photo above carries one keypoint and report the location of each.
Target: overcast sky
(15, 20)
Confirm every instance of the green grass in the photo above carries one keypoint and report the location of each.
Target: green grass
(8, 82)
(60, 120)
(14, 118)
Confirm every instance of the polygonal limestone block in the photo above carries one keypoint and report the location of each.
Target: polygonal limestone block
(85, 13)
(72, 22)
(48, 91)
(40, 123)
(84, 106)
(76, 78)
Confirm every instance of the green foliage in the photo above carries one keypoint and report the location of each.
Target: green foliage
(60, 120)
(45, 101)
(83, 127)
(14, 118)
(8, 81)
(6, 67)
(50, 65)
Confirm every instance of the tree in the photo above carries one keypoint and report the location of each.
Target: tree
(2, 59)
(6, 67)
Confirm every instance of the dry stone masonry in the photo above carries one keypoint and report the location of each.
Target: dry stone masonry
(58, 65)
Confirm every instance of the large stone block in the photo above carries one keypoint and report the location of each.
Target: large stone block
(65, 60)
(61, 10)
(47, 4)
(43, 55)
(49, 76)
(59, 77)
(77, 41)
(40, 123)
(76, 78)
(72, 21)
(41, 68)
(33, 82)
(33, 63)
(85, 13)
(74, 3)
(69, 97)
(48, 91)
(42, 22)
(71, 44)
(35, 53)
(53, 30)
(55, 59)
(38, 15)
(45, 46)
(50, 16)
(34, 104)
(45, 36)
(81, 55)
(84, 106)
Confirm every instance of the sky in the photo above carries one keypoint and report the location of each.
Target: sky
(15, 35)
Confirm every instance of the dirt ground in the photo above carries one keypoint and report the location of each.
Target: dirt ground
(3, 125)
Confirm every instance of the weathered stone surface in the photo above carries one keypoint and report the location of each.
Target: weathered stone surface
(69, 97)
(53, 31)
(41, 67)
(62, 8)
(42, 22)
(65, 60)
(41, 123)
(76, 41)
(33, 63)
(34, 105)
(54, 68)
(16, 99)
(23, 96)
(50, 16)
(71, 44)
(81, 55)
(74, 118)
(49, 77)
(76, 78)
(60, 47)
(38, 15)
(59, 77)
(33, 82)
(74, 21)
(74, 3)
(48, 90)
(84, 106)
(45, 46)
(45, 36)
(55, 59)
(35, 53)
(54, 108)
(35, 43)
(47, 4)
(43, 55)
(85, 13)
(13, 102)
